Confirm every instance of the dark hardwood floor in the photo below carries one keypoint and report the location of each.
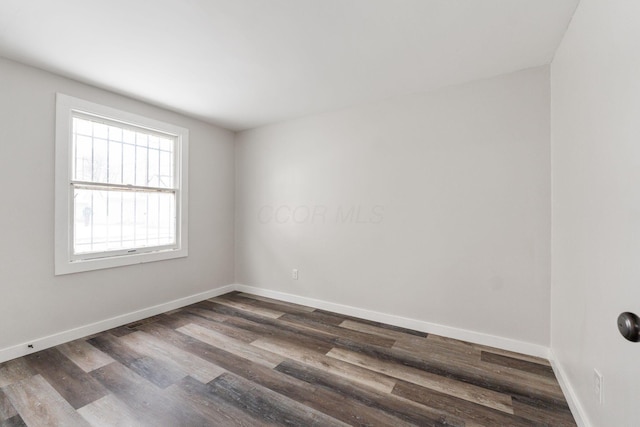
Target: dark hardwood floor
(245, 360)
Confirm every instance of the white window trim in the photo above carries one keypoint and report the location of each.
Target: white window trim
(64, 263)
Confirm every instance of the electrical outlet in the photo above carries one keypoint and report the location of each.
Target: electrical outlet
(294, 274)
(598, 386)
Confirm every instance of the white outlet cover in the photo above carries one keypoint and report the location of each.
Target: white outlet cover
(598, 386)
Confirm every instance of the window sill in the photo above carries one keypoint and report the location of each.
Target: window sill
(66, 267)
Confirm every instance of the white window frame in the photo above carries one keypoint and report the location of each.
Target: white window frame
(66, 261)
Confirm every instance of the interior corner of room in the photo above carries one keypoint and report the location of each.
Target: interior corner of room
(501, 211)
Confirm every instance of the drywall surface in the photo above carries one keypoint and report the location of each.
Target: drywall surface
(33, 302)
(596, 207)
(433, 207)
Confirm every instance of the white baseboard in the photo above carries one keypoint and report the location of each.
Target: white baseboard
(103, 325)
(418, 325)
(577, 410)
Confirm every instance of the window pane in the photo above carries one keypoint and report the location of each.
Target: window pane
(115, 133)
(82, 127)
(154, 142)
(128, 164)
(154, 168)
(129, 136)
(115, 162)
(100, 160)
(113, 155)
(141, 166)
(100, 130)
(83, 164)
(121, 220)
(166, 169)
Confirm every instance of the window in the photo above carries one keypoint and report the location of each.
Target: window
(121, 188)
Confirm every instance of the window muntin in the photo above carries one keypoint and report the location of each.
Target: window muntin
(123, 182)
(120, 188)
(116, 153)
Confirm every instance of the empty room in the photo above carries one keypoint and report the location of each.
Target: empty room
(320, 212)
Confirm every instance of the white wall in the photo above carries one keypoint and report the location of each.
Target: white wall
(35, 303)
(596, 206)
(452, 190)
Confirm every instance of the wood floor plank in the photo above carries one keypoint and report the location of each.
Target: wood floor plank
(400, 410)
(464, 409)
(15, 421)
(145, 399)
(272, 304)
(360, 375)
(173, 321)
(307, 338)
(543, 413)
(428, 347)
(109, 411)
(119, 332)
(462, 390)
(184, 361)
(377, 330)
(405, 331)
(457, 344)
(134, 325)
(231, 345)
(74, 384)
(203, 399)
(255, 309)
(523, 365)
(156, 371)
(320, 316)
(296, 307)
(296, 328)
(337, 331)
(6, 408)
(197, 310)
(267, 405)
(39, 404)
(502, 380)
(14, 371)
(193, 316)
(328, 402)
(83, 354)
